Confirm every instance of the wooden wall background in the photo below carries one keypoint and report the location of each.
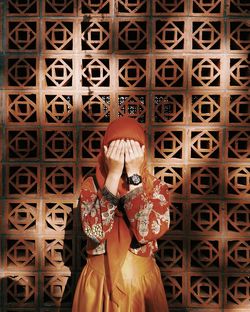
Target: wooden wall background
(179, 67)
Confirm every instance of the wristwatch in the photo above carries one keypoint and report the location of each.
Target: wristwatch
(135, 179)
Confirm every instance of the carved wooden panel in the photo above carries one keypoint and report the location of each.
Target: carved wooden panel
(181, 68)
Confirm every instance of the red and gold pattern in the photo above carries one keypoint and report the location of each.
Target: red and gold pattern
(148, 216)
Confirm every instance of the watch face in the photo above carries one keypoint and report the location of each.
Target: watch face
(136, 179)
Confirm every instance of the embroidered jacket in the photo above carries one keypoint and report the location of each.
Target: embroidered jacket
(148, 216)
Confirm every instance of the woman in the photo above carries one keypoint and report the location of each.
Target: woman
(124, 210)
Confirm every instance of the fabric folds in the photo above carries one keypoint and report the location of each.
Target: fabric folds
(141, 280)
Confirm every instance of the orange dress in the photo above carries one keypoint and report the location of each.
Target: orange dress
(121, 274)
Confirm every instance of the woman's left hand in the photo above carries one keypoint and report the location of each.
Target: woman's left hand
(134, 156)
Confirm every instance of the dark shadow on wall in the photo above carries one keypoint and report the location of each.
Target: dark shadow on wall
(76, 262)
(14, 291)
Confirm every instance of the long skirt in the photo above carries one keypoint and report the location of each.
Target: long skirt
(143, 285)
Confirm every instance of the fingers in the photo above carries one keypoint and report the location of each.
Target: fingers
(112, 148)
(137, 148)
(134, 157)
(115, 149)
(109, 149)
(114, 157)
(133, 149)
(120, 148)
(127, 152)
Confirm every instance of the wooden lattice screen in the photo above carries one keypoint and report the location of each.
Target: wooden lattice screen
(180, 67)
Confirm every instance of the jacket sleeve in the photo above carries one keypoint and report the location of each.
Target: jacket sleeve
(148, 216)
(96, 210)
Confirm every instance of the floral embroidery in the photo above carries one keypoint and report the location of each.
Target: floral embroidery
(87, 207)
(148, 217)
(94, 232)
(143, 219)
(151, 220)
(155, 227)
(99, 250)
(107, 215)
(165, 217)
(158, 195)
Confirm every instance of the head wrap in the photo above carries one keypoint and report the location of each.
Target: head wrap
(121, 128)
(124, 128)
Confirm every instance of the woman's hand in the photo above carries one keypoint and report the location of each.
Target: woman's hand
(134, 156)
(114, 156)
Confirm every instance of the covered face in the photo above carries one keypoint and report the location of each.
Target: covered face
(122, 128)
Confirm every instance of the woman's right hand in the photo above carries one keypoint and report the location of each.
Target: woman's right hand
(114, 156)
